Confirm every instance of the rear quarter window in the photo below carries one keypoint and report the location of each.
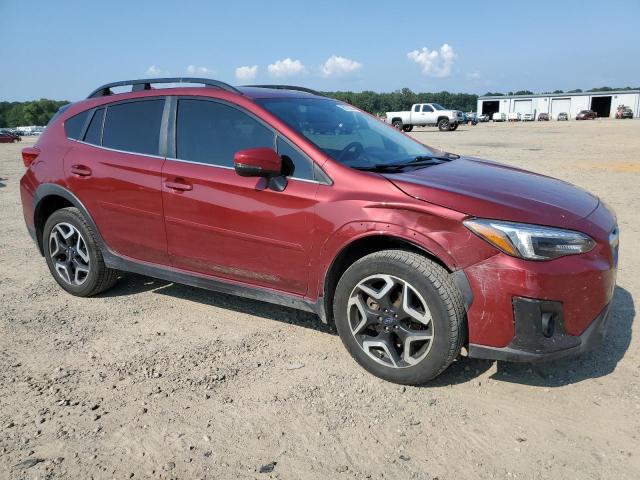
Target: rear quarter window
(73, 125)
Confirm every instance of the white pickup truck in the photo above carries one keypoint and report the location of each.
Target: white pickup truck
(426, 114)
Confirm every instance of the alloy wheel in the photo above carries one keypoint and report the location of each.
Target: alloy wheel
(69, 254)
(390, 321)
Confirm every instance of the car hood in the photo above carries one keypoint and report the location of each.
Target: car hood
(491, 190)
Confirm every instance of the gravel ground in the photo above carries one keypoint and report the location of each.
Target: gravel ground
(166, 381)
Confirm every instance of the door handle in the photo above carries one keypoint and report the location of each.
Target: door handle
(80, 170)
(178, 185)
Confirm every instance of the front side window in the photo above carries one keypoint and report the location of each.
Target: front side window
(134, 126)
(212, 132)
(345, 133)
(295, 164)
(427, 108)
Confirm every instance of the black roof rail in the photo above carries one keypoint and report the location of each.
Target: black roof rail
(145, 84)
(290, 87)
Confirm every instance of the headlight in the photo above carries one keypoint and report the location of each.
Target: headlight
(531, 242)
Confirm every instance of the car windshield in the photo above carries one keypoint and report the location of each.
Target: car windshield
(346, 134)
(437, 107)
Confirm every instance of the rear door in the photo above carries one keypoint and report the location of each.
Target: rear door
(224, 225)
(115, 169)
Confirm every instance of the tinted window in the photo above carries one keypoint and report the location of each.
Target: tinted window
(94, 131)
(416, 108)
(427, 108)
(211, 132)
(301, 166)
(134, 126)
(73, 126)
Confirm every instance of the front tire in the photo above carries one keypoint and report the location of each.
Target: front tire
(73, 255)
(400, 316)
(407, 128)
(454, 127)
(444, 125)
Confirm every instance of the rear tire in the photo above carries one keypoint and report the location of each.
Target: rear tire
(73, 255)
(400, 316)
(397, 124)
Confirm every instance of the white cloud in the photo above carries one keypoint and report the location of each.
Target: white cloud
(286, 68)
(337, 66)
(246, 73)
(154, 71)
(195, 70)
(473, 75)
(435, 63)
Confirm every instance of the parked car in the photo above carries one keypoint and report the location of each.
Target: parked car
(470, 118)
(7, 137)
(513, 117)
(563, 116)
(624, 112)
(499, 117)
(426, 114)
(543, 117)
(483, 118)
(399, 244)
(586, 115)
(528, 117)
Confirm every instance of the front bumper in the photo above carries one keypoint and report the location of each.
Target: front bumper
(530, 344)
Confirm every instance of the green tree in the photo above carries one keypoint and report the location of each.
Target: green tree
(36, 112)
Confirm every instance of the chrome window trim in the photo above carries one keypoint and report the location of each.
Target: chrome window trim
(224, 167)
(177, 159)
(115, 150)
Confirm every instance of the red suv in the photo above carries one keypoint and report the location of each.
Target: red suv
(280, 194)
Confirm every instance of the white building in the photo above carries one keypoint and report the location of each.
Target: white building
(604, 104)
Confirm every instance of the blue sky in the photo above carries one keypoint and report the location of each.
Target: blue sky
(64, 49)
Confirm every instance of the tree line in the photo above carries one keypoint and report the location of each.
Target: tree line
(399, 100)
(36, 112)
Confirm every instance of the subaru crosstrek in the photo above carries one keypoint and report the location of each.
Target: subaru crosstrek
(280, 194)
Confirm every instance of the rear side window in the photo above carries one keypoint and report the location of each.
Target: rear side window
(211, 132)
(94, 131)
(134, 126)
(73, 125)
(416, 108)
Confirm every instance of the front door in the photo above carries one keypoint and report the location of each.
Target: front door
(228, 226)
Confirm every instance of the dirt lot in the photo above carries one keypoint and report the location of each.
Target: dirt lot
(161, 380)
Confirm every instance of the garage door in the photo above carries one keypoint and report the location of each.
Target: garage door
(560, 105)
(522, 106)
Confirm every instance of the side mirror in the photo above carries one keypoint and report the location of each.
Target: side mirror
(258, 162)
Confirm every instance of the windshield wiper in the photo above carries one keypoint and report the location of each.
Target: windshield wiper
(420, 161)
(393, 167)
